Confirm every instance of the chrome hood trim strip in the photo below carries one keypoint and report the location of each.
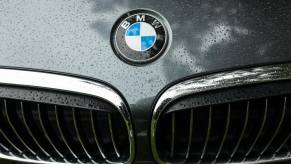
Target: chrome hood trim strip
(215, 81)
(68, 84)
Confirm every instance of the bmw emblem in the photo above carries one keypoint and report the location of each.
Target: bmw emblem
(140, 36)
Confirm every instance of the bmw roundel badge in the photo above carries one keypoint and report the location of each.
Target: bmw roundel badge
(140, 36)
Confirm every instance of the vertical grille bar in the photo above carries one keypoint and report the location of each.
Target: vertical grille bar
(242, 132)
(19, 152)
(96, 136)
(15, 131)
(31, 134)
(224, 134)
(260, 130)
(173, 134)
(112, 135)
(4, 135)
(47, 136)
(207, 134)
(190, 134)
(283, 143)
(277, 129)
(62, 134)
(79, 136)
(5, 150)
(4, 147)
(287, 137)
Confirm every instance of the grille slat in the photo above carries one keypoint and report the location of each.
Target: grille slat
(277, 128)
(190, 134)
(63, 137)
(18, 136)
(29, 130)
(173, 134)
(224, 134)
(283, 144)
(4, 147)
(12, 145)
(260, 130)
(112, 135)
(50, 141)
(12, 148)
(96, 139)
(207, 134)
(246, 120)
(79, 136)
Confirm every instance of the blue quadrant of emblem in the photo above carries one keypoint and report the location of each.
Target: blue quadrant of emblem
(134, 30)
(147, 42)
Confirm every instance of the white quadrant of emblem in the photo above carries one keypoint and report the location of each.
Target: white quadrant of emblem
(140, 36)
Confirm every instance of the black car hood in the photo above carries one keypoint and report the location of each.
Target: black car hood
(74, 37)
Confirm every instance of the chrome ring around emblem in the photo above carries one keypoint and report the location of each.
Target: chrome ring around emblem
(140, 36)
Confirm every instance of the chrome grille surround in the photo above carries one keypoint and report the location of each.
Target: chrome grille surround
(215, 81)
(70, 84)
